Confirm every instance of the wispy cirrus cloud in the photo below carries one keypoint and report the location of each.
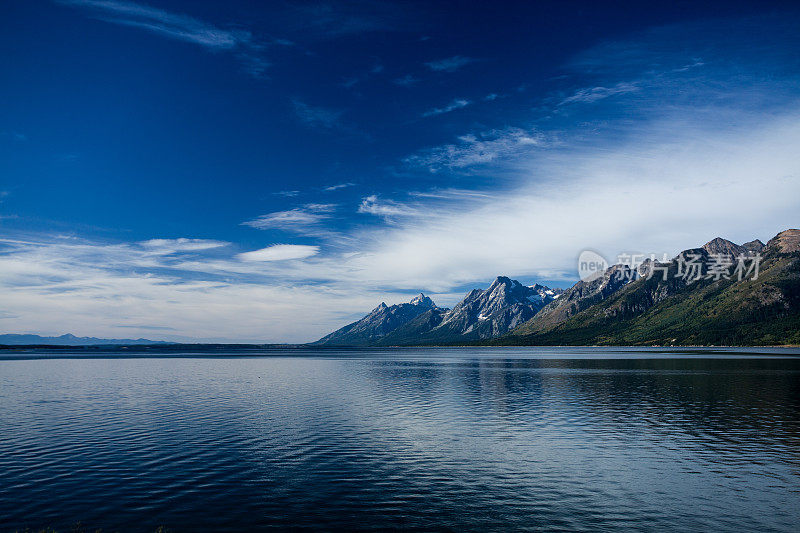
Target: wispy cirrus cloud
(299, 219)
(458, 103)
(352, 81)
(338, 186)
(173, 246)
(179, 27)
(478, 148)
(406, 81)
(173, 25)
(326, 119)
(326, 20)
(449, 64)
(451, 193)
(14, 135)
(373, 205)
(592, 94)
(318, 117)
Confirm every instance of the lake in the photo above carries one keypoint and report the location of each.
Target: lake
(572, 439)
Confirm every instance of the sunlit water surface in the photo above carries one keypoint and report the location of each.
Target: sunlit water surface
(567, 439)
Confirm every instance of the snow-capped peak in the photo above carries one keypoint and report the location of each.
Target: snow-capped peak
(422, 300)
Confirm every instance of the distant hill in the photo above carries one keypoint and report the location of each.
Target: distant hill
(12, 339)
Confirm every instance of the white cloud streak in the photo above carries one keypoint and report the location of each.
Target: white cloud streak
(593, 94)
(318, 117)
(280, 252)
(299, 219)
(478, 148)
(172, 246)
(384, 208)
(179, 27)
(406, 81)
(458, 103)
(338, 186)
(449, 64)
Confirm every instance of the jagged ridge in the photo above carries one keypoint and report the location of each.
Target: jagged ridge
(683, 311)
(622, 306)
(379, 322)
(482, 314)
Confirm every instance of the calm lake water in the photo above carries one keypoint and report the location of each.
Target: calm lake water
(537, 439)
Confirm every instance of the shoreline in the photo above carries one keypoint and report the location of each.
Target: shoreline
(217, 347)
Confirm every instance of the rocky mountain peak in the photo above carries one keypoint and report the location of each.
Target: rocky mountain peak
(502, 281)
(785, 242)
(723, 246)
(505, 304)
(423, 300)
(508, 285)
(379, 322)
(755, 246)
(546, 292)
(505, 291)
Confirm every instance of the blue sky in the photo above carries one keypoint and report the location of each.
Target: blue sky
(266, 172)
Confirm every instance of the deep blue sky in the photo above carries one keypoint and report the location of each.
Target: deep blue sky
(150, 151)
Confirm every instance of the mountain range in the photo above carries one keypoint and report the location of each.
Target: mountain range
(14, 339)
(482, 314)
(703, 296)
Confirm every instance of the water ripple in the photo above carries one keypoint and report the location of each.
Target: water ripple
(436, 439)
